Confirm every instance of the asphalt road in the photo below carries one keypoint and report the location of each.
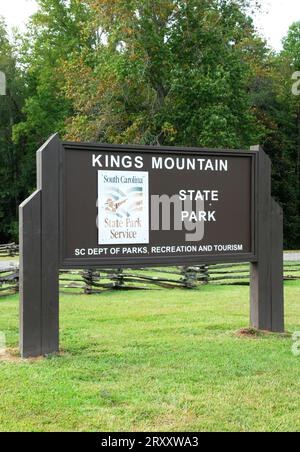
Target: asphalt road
(292, 257)
(7, 264)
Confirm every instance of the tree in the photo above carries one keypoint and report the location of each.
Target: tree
(279, 110)
(29, 117)
(168, 72)
(54, 32)
(10, 154)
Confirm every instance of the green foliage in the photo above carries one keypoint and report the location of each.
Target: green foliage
(170, 72)
(10, 155)
(54, 33)
(279, 110)
(35, 106)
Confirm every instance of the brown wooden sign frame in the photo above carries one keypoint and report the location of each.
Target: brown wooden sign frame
(41, 245)
(150, 261)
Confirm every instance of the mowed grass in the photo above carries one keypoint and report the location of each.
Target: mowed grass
(163, 360)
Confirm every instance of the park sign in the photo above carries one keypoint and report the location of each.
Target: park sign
(140, 206)
(100, 205)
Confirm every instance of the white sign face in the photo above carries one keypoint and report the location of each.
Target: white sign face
(123, 207)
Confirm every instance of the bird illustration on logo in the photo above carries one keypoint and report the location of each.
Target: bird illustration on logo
(113, 206)
(123, 203)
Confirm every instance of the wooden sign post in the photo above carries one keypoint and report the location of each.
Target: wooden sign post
(111, 206)
(266, 281)
(39, 258)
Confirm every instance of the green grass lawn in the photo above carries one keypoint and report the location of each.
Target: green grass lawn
(155, 361)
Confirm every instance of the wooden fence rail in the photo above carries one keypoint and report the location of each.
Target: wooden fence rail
(9, 281)
(9, 250)
(95, 282)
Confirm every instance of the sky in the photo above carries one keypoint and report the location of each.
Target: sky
(273, 22)
(275, 19)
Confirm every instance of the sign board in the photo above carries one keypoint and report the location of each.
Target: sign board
(127, 206)
(139, 206)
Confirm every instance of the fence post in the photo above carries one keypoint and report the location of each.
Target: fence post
(266, 277)
(88, 277)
